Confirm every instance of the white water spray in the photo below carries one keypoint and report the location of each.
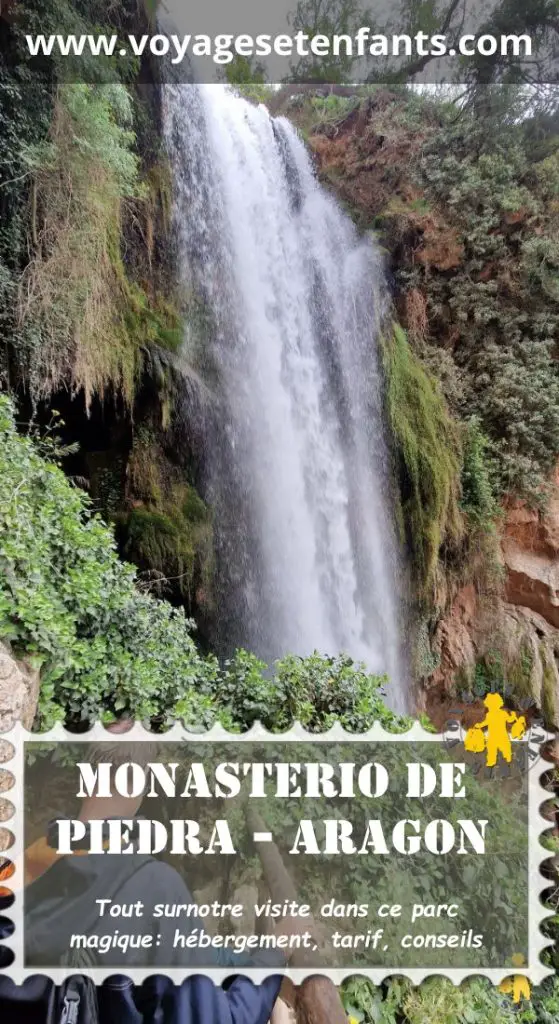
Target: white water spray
(289, 301)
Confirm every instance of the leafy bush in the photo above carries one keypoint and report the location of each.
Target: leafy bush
(478, 499)
(105, 649)
(317, 691)
(516, 390)
(500, 305)
(69, 603)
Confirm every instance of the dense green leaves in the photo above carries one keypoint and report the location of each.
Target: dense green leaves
(477, 499)
(105, 649)
(501, 303)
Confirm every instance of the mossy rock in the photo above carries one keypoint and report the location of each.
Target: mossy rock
(168, 543)
(160, 542)
(428, 453)
(152, 322)
(550, 686)
(165, 527)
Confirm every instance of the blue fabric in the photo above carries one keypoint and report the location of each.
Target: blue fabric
(196, 1001)
(158, 1001)
(62, 901)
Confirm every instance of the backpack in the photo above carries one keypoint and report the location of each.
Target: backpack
(40, 1001)
(76, 1003)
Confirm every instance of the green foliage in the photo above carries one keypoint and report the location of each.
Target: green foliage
(68, 602)
(477, 500)
(329, 109)
(543, 1007)
(501, 301)
(437, 1001)
(166, 529)
(489, 674)
(474, 1002)
(471, 219)
(341, 17)
(250, 76)
(507, 388)
(363, 1002)
(540, 258)
(105, 648)
(70, 296)
(75, 197)
(428, 453)
(317, 691)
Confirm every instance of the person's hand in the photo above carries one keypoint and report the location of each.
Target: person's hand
(296, 925)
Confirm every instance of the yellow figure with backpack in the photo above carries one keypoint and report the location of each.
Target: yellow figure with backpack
(493, 734)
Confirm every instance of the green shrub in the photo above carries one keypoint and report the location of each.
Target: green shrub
(317, 691)
(106, 649)
(68, 602)
(478, 499)
(499, 307)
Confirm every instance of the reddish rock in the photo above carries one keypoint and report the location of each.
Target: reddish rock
(453, 640)
(532, 581)
(531, 555)
(533, 530)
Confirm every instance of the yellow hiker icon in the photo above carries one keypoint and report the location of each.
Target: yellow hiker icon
(496, 740)
(518, 986)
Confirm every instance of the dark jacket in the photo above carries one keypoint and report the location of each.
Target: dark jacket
(158, 1001)
(62, 901)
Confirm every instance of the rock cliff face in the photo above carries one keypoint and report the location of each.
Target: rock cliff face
(19, 691)
(522, 624)
(531, 555)
(453, 642)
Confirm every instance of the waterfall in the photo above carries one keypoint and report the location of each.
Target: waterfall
(286, 301)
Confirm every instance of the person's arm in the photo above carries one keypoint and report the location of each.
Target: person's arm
(165, 885)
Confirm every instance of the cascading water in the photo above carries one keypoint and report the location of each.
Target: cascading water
(285, 305)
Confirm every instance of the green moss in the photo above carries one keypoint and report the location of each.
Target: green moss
(166, 528)
(166, 540)
(193, 507)
(160, 542)
(150, 322)
(427, 447)
(549, 682)
(145, 477)
(424, 659)
(519, 673)
(160, 191)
